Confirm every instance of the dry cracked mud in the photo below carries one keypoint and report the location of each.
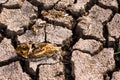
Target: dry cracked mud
(87, 31)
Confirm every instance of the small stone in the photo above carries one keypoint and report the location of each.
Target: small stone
(116, 75)
(114, 26)
(99, 14)
(88, 45)
(40, 23)
(13, 71)
(57, 34)
(7, 50)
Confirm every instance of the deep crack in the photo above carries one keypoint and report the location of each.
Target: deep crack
(75, 1)
(26, 68)
(9, 61)
(105, 34)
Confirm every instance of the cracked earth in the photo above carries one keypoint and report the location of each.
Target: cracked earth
(88, 32)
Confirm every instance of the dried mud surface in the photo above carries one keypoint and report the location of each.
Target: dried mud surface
(88, 32)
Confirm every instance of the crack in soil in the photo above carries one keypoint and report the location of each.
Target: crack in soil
(118, 1)
(68, 64)
(107, 7)
(75, 1)
(9, 61)
(90, 4)
(26, 68)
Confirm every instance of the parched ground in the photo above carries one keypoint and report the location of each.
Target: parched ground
(88, 32)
